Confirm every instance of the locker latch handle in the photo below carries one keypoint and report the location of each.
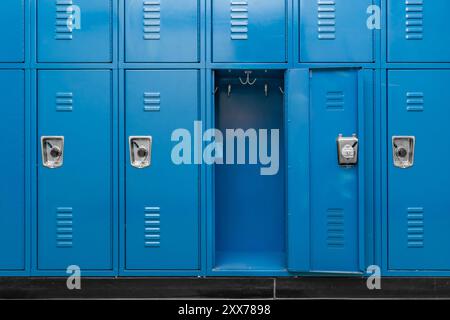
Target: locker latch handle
(140, 151)
(52, 151)
(347, 150)
(403, 151)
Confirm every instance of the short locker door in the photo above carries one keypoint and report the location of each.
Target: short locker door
(74, 30)
(335, 31)
(418, 197)
(249, 30)
(12, 175)
(12, 30)
(74, 200)
(417, 31)
(325, 199)
(162, 200)
(162, 31)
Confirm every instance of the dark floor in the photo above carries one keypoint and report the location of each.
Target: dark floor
(229, 288)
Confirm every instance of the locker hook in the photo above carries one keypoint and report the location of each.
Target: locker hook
(229, 90)
(281, 90)
(247, 81)
(266, 89)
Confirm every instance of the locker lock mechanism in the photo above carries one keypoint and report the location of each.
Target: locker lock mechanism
(347, 150)
(52, 151)
(140, 151)
(403, 151)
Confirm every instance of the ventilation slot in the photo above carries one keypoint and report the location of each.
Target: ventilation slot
(152, 20)
(239, 20)
(64, 101)
(335, 228)
(335, 100)
(326, 19)
(414, 19)
(415, 101)
(415, 227)
(152, 101)
(152, 231)
(64, 20)
(64, 227)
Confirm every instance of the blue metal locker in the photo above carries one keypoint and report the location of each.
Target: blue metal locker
(12, 175)
(162, 31)
(74, 218)
(12, 30)
(162, 198)
(325, 198)
(249, 30)
(335, 31)
(418, 200)
(74, 30)
(417, 32)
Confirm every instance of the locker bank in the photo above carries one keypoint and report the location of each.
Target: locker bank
(93, 91)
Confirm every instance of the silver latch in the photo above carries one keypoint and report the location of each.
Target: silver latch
(403, 151)
(140, 151)
(347, 150)
(52, 151)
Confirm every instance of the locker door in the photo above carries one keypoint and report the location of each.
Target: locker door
(335, 31)
(12, 175)
(162, 31)
(74, 30)
(417, 31)
(162, 199)
(12, 30)
(325, 199)
(249, 31)
(418, 198)
(74, 199)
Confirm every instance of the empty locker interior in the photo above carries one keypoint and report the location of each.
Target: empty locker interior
(250, 214)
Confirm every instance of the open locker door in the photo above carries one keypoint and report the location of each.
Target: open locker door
(325, 133)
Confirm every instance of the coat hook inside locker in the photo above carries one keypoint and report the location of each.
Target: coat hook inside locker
(247, 80)
(266, 90)
(229, 90)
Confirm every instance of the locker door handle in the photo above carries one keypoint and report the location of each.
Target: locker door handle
(403, 151)
(347, 150)
(140, 151)
(52, 148)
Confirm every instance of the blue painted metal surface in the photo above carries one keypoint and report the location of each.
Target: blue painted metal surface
(334, 193)
(12, 31)
(12, 176)
(418, 199)
(74, 31)
(325, 201)
(75, 201)
(416, 31)
(244, 30)
(335, 31)
(162, 31)
(126, 51)
(162, 221)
